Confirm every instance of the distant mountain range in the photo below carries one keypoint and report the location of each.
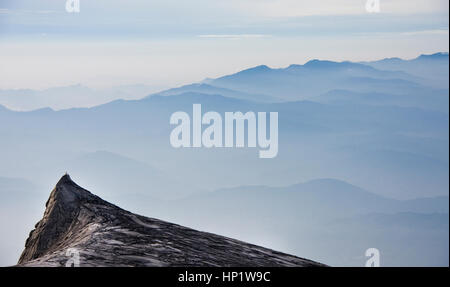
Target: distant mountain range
(385, 130)
(422, 77)
(203, 88)
(433, 69)
(317, 77)
(407, 146)
(320, 219)
(74, 96)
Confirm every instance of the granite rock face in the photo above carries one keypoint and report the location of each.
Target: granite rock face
(103, 234)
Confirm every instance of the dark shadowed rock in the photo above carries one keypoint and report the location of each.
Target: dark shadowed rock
(106, 235)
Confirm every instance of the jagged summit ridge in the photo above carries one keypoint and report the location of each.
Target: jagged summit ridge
(65, 179)
(106, 235)
(62, 208)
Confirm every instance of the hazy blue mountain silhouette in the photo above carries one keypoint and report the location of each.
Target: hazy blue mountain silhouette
(69, 96)
(433, 101)
(385, 132)
(326, 218)
(317, 77)
(434, 68)
(212, 90)
(308, 131)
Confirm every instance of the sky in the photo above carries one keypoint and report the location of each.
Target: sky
(170, 43)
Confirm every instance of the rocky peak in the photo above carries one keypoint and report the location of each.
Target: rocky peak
(106, 235)
(62, 208)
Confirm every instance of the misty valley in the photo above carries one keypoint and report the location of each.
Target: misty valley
(357, 158)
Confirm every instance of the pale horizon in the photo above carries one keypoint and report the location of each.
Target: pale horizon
(107, 44)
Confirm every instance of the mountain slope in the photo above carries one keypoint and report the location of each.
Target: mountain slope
(212, 90)
(336, 134)
(437, 101)
(66, 97)
(106, 235)
(432, 68)
(299, 82)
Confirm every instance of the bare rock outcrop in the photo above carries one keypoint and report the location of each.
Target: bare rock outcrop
(106, 235)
